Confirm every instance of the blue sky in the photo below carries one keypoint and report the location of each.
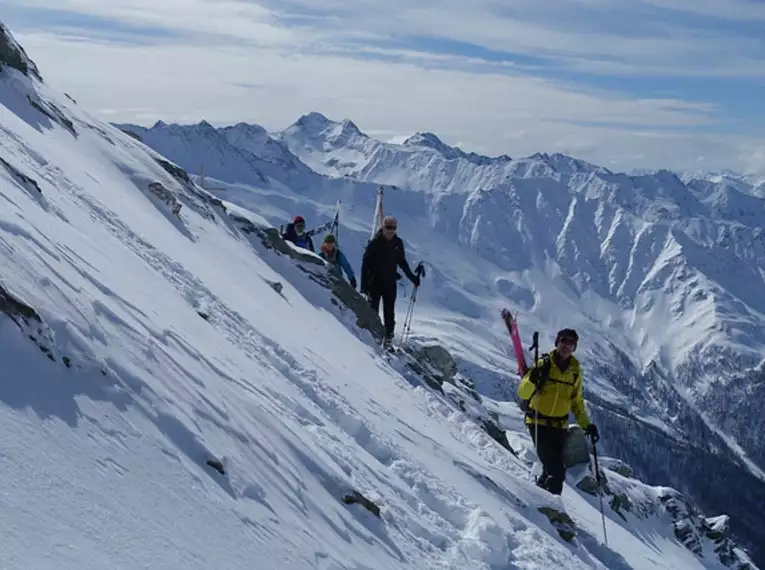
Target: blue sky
(641, 83)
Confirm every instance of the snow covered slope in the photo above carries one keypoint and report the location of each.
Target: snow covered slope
(662, 279)
(182, 389)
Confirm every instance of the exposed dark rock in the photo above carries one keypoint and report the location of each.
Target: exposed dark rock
(434, 382)
(175, 171)
(199, 199)
(23, 179)
(28, 321)
(356, 497)
(53, 113)
(589, 485)
(17, 310)
(561, 522)
(13, 55)
(441, 359)
(499, 435)
(166, 196)
(620, 502)
(691, 526)
(217, 465)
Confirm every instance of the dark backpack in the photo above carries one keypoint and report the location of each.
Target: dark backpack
(545, 372)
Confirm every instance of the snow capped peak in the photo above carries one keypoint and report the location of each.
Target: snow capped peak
(249, 128)
(316, 125)
(313, 121)
(350, 127)
(432, 141)
(566, 164)
(425, 139)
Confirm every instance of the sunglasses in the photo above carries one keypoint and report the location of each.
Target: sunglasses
(391, 228)
(567, 340)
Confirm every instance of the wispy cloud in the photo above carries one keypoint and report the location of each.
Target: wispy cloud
(626, 83)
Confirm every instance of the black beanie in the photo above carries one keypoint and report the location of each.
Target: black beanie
(566, 332)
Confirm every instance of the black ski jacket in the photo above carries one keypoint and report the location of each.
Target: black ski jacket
(381, 260)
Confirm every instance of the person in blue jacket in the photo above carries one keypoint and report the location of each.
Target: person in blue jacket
(336, 259)
(297, 234)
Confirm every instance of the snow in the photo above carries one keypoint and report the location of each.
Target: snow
(169, 346)
(659, 275)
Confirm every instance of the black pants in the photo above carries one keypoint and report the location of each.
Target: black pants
(387, 293)
(550, 452)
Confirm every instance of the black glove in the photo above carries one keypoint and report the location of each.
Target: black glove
(416, 280)
(353, 282)
(592, 431)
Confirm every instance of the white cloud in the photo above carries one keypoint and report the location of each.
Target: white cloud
(635, 37)
(226, 19)
(297, 64)
(727, 9)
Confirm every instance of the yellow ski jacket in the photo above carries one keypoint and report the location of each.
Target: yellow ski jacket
(560, 395)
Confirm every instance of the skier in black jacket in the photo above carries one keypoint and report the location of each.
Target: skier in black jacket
(382, 257)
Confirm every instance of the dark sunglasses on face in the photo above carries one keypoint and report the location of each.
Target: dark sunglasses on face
(568, 340)
(391, 228)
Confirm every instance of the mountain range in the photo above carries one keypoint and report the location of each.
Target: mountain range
(662, 272)
(182, 388)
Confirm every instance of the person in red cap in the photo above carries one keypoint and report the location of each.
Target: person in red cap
(295, 232)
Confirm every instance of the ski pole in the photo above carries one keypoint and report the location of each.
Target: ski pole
(535, 347)
(419, 271)
(600, 490)
(408, 318)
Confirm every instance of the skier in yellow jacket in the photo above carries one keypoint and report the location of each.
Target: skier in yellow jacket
(553, 389)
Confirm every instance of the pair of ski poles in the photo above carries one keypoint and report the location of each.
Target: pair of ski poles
(535, 347)
(419, 271)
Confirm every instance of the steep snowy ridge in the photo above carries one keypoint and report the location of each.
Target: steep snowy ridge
(662, 277)
(164, 347)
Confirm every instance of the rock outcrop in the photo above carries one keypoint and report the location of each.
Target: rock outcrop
(30, 323)
(166, 196)
(13, 55)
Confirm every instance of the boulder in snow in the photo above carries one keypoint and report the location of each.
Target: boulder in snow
(276, 286)
(561, 522)
(441, 359)
(577, 450)
(356, 497)
(29, 321)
